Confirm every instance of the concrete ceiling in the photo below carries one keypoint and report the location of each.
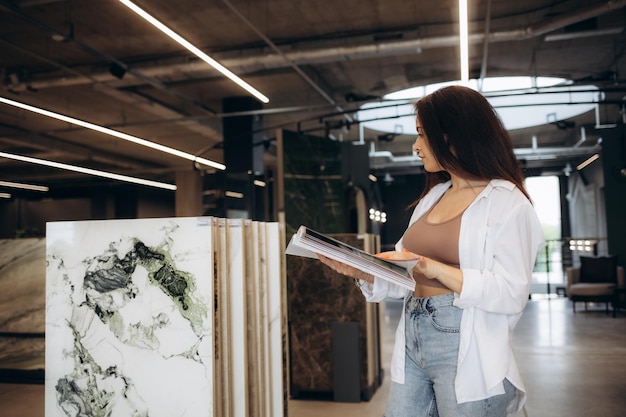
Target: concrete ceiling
(316, 60)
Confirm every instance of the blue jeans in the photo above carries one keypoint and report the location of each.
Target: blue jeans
(432, 347)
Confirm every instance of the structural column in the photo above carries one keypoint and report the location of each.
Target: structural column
(243, 157)
(243, 150)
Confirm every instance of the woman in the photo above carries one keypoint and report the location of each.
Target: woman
(475, 236)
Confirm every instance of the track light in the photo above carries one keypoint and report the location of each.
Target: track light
(88, 171)
(587, 161)
(233, 194)
(463, 39)
(114, 133)
(24, 186)
(186, 44)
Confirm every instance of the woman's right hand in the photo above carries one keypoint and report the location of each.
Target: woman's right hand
(345, 269)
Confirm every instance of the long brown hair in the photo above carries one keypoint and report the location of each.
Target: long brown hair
(467, 138)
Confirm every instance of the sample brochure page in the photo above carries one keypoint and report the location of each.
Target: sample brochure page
(308, 243)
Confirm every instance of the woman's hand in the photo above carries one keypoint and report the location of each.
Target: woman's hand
(345, 269)
(434, 273)
(394, 255)
(425, 266)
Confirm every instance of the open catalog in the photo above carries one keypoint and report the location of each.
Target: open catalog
(308, 243)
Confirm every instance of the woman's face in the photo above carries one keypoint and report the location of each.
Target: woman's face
(423, 150)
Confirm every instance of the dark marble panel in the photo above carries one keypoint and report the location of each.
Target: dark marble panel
(318, 297)
(22, 306)
(314, 189)
(22, 285)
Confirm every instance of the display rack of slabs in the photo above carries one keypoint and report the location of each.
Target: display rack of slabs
(165, 317)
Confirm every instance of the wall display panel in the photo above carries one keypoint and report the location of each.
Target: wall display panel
(315, 175)
(22, 285)
(313, 185)
(22, 309)
(129, 328)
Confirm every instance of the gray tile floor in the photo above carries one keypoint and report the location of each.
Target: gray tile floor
(573, 364)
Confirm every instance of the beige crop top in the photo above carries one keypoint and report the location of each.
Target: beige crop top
(438, 241)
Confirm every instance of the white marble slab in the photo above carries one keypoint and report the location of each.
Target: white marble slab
(129, 323)
(253, 267)
(263, 301)
(238, 318)
(223, 391)
(276, 316)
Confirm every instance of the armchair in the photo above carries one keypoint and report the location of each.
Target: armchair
(595, 280)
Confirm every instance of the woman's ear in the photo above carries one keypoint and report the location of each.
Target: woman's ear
(450, 147)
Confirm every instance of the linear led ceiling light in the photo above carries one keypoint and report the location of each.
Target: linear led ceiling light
(114, 133)
(186, 44)
(587, 161)
(463, 39)
(23, 186)
(88, 171)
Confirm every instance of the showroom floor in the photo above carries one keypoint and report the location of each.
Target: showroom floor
(573, 364)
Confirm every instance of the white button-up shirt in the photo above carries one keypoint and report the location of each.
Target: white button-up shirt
(499, 240)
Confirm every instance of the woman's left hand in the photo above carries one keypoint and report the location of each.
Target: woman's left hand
(427, 267)
(394, 255)
(424, 266)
